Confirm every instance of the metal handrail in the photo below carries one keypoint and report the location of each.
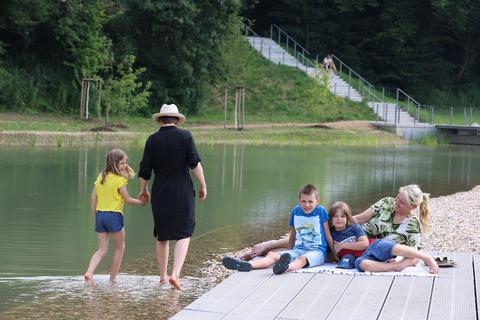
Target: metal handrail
(409, 98)
(353, 71)
(280, 31)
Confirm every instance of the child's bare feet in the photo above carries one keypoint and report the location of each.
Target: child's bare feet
(88, 276)
(432, 265)
(175, 282)
(163, 281)
(406, 262)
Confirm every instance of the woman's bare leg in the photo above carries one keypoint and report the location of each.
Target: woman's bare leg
(162, 258)
(119, 241)
(376, 266)
(179, 254)
(404, 251)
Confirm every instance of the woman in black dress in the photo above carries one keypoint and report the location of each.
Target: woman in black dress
(170, 152)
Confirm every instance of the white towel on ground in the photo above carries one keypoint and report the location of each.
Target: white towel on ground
(416, 271)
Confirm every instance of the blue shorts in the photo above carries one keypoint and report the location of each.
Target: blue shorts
(314, 257)
(108, 221)
(380, 250)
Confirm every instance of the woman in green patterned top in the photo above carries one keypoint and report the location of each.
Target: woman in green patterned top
(395, 218)
(390, 218)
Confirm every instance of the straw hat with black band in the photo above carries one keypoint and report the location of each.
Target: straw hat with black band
(169, 110)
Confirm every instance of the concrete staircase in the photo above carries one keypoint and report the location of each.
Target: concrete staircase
(386, 112)
(278, 55)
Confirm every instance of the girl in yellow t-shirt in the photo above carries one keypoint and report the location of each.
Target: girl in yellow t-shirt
(108, 197)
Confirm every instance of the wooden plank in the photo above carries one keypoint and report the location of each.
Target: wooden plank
(409, 298)
(318, 297)
(271, 298)
(453, 294)
(231, 292)
(197, 315)
(476, 269)
(363, 298)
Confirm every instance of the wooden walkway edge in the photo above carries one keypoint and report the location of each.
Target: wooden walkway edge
(259, 294)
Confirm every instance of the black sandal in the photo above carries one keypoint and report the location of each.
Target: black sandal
(282, 265)
(236, 264)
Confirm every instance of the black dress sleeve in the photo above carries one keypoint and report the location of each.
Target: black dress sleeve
(192, 156)
(145, 171)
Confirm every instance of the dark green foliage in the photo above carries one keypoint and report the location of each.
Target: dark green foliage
(417, 45)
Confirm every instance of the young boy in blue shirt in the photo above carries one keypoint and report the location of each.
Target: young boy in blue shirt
(307, 240)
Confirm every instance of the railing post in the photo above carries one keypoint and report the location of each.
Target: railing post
(283, 57)
(383, 93)
(396, 112)
(269, 53)
(397, 95)
(225, 109)
(279, 43)
(464, 116)
(350, 76)
(471, 116)
(451, 115)
(295, 49)
(316, 59)
(408, 104)
(433, 114)
(287, 44)
(348, 91)
(376, 120)
(271, 31)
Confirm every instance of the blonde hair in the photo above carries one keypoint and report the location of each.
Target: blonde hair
(339, 205)
(111, 165)
(414, 196)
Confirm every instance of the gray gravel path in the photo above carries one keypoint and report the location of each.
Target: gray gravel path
(455, 222)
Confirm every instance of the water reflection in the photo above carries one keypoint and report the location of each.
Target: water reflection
(46, 225)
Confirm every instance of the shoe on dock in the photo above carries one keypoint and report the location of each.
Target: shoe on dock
(282, 265)
(236, 264)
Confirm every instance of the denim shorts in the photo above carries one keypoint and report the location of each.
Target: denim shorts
(108, 221)
(380, 250)
(314, 257)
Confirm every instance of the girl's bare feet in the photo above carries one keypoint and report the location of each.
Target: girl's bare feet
(163, 281)
(88, 276)
(175, 282)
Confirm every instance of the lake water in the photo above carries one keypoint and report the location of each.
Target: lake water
(47, 236)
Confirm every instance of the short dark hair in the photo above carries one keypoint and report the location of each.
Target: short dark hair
(168, 120)
(308, 189)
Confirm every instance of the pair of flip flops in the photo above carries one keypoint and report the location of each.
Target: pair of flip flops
(444, 262)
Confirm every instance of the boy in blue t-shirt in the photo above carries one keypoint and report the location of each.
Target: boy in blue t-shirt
(307, 240)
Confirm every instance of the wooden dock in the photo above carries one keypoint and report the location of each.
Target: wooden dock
(259, 294)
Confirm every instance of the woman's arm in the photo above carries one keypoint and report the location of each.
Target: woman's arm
(144, 194)
(129, 200)
(364, 216)
(198, 173)
(361, 244)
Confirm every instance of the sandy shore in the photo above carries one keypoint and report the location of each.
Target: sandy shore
(455, 222)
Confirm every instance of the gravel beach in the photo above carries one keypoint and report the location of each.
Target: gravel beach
(454, 223)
